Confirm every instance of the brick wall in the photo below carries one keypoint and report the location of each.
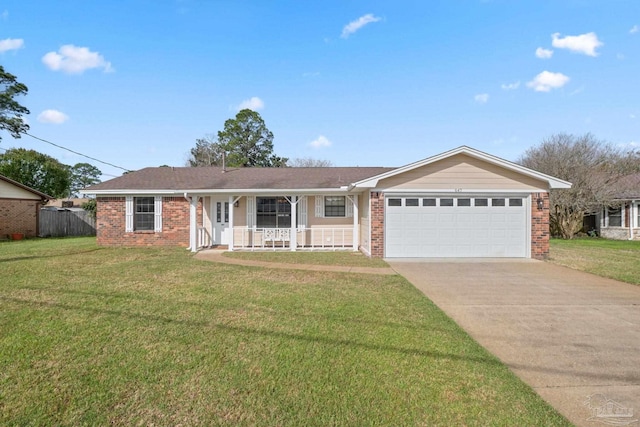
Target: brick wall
(19, 216)
(110, 224)
(377, 224)
(539, 226)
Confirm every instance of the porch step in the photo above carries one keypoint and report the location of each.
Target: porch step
(220, 247)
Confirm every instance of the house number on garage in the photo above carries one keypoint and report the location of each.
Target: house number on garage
(458, 190)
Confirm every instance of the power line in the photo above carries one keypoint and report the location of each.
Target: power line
(79, 154)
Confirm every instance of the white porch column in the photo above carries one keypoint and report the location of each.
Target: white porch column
(293, 242)
(356, 217)
(193, 224)
(231, 203)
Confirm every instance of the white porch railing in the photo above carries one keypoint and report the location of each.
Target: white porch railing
(204, 238)
(280, 238)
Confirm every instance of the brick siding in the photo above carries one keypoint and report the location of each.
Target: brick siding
(377, 224)
(19, 216)
(539, 226)
(110, 224)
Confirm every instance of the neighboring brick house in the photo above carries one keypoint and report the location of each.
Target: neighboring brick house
(19, 208)
(622, 221)
(461, 203)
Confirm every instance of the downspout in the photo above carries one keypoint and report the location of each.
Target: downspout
(631, 218)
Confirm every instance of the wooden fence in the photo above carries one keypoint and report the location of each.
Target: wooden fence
(61, 223)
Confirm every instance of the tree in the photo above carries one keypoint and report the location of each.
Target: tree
(595, 169)
(247, 142)
(82, 176)
(207, 152)
(36, 170)
(91, 206)
(10, 110)
(309, 162)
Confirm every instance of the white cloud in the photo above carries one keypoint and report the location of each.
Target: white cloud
(634, 29)
(320, 142)
(253, 103)
(75, 60)
(584, 43)
(11, 44)
(52, 116)
(354, 26)
(481, 98)
(546, 80)
(543, 53)
(510, 86)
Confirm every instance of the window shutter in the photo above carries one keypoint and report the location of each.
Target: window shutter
(319, 206)
(157, 214)
(251, 203)
(302, 221)
(348, 206)
(128, 207)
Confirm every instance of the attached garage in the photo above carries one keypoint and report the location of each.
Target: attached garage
(463, 203)
(488, 225)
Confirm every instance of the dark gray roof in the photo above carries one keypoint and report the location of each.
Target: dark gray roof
(629, 187)
(214, 178)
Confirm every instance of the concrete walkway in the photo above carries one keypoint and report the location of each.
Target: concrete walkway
(215, 255)
(572, 336)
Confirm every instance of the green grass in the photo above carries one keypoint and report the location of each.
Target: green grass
(616, 259)
(341, 258)
(148, 336)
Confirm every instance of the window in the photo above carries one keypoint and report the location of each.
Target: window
(411, 202)
(515, 202)
(395, 202)
(497, 202)
(335, 206)
(446, 202)
(428, 202)
(143, 214)
(464, 202)
(143, 218)
(219, 212)
(273, 212)
(615, 217)
(481, 202)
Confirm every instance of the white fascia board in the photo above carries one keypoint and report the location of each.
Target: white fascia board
(132, 192)
(553, 182)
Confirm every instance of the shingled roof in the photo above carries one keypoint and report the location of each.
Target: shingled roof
(629, 187)
(215, 178)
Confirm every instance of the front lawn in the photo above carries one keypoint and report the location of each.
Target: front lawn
(616, 259)
(341, 258)
(114, 336)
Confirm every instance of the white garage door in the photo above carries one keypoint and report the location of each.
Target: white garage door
(448, 226)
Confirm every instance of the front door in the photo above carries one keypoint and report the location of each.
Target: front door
(220, 221)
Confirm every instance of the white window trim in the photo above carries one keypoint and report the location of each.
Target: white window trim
(129, 211)
(622, 215)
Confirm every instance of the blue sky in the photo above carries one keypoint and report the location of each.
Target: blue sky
(368, 83)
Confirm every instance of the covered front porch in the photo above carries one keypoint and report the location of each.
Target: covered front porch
(274, 222)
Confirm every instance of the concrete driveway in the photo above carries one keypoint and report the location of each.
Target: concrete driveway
(570, 335)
